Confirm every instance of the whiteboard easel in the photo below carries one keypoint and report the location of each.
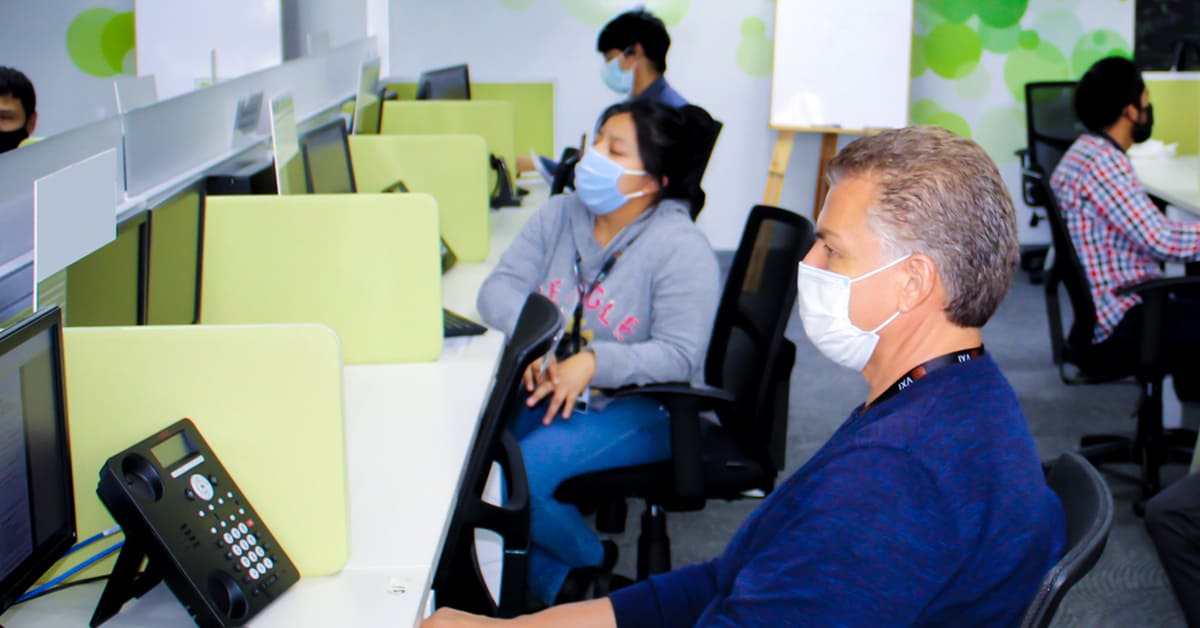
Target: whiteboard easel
(840, 68)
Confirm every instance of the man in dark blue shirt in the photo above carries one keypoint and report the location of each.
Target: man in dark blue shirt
(928, 506)
(634, 45)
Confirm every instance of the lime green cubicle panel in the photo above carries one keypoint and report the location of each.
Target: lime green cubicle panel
(268, 399)
(366, 265)
(107, 286)
(451, 168)
(174, 267)
(533, 110)
(491, 119)
(1177, 111)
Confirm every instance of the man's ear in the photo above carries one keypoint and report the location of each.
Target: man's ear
(31, 123)
(1131, 112)
(920, 281)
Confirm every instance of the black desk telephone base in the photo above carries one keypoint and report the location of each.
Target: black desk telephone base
(185, 517)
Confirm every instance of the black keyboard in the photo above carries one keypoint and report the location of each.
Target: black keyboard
(459, 325)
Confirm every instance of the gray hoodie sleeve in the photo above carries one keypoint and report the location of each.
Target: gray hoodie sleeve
(684, 302)
(520, 270)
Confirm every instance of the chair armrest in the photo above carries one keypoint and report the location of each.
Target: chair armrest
(672, 389)
(1150, 287)
(684, 403)
(1154, 294)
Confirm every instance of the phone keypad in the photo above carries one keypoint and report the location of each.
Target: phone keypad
(247, 554)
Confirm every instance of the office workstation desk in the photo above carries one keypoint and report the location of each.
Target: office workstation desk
(408, 431)
(1175, 180)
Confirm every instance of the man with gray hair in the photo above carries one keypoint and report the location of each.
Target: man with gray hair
(928, 505)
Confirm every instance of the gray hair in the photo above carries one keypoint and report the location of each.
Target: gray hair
(941, 195)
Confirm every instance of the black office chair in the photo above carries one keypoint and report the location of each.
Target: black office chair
(458, 581)
(1151, 446)
(1051, 126)
(1088, 506)
(748, 369)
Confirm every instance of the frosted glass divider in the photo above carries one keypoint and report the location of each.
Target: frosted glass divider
(75, 212)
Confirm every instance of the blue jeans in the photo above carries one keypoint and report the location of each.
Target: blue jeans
(626, 432)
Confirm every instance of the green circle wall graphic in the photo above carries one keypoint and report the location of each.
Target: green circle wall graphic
(956, 11)
(953, 50)
(593, 11)
(516, 5)
(100, 40)
(930, 112)
(1095, 46)
(754, 54)
(1002, 14)
(671, 12)
(1044, 62)
(975, 85)
(1002, 132)
(1060, 26)
(999, 40)
(917, 64)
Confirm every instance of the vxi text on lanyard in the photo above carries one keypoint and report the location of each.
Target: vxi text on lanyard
(957, 357)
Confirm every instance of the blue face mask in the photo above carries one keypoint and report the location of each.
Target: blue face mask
(617, 79)
(596, 178)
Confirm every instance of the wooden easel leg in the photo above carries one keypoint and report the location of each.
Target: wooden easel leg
(828, 151)
(779, 163)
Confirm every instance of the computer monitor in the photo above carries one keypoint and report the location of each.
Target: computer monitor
(327, 167)
(37, 497)
(366, 104)
(453, 83)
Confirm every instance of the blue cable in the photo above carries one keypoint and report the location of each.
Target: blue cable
(72, 571)
(92, 539)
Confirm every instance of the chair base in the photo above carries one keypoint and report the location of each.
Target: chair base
(654, 547)
(1150, 454)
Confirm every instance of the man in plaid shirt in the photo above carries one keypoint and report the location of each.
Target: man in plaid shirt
(1121, 237)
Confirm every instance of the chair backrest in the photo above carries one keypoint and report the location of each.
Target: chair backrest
(747, 339)
(459, 581)
(1050, 122)
(1088, 506)
(1067, 270)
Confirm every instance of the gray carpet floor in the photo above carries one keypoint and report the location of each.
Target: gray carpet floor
(1126, 588)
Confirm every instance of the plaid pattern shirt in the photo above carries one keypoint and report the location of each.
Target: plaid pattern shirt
(1120, 235)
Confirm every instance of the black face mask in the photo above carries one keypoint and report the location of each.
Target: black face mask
(12, 139)
(1143, 128)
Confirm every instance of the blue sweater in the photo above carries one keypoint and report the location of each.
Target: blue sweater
(928, 509)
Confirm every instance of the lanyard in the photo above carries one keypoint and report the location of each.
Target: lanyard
(584, 290)
(958, 357)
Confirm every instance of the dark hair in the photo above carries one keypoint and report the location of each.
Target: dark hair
(1110, 85)
(673, 143)
(637, 27)
(14, 83)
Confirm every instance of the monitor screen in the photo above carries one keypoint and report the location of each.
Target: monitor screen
(453, 83)
(37, 507)
(327, 165)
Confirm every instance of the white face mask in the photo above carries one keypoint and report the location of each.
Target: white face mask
(823, 299)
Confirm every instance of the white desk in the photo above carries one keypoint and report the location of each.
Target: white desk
(1175, 180)
(408, 430)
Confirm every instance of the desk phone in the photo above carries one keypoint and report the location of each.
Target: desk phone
(182, 512)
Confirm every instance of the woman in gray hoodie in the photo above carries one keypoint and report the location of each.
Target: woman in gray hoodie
(637, 283)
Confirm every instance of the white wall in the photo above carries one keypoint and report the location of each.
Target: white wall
(344, 20)
(555, 40)
(71, 68)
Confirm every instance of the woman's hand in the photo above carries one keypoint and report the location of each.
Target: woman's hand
(563, 382)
